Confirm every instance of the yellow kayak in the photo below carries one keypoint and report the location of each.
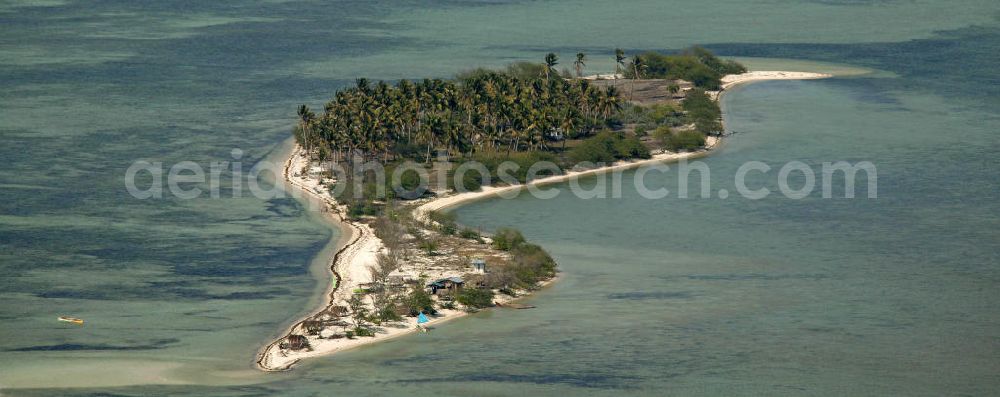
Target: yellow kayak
(73, 320)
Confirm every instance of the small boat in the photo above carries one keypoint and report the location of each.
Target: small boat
(73, 320)
(516, 306)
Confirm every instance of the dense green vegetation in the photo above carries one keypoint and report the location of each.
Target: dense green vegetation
(418, 300)
(696, 65)
(648, 118)
(526, 107)
(531, 263)
(524, 114)
(476, 298)
(484, 111)
(703, 112)
(608, 147)
(679, 140)
(524, 161)
(506, 239)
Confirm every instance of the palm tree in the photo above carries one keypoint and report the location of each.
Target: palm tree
(580, 58)
(428, 134)
(619, 63)
(363, 85)
(489, 111)
(638, 66)
(610, 102)
(567, 124)
(551, 60)
(306, 118)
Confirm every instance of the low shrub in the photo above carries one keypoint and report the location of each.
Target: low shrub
(475, 298)
(447, 305)
(631, 148)
(445, 222)
(472, 181)
(522, 162)
(506, 239)
(607, 147)
(418, 300)
(386, 314)
(532, 264)
(362, 331)
(598, 149)
(662, 134)
(429, 246)
(641, 130)
(703, 112)
(469, 234)
(684, 140)
(665, 114)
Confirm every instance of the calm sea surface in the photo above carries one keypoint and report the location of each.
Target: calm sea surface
(896, 295)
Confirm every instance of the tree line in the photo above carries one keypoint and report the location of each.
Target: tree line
(696, 64)
(486, 111)
(527, 107)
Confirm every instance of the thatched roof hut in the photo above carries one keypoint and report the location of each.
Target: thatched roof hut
(296, 342)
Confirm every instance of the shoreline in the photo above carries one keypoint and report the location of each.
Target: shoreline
(358, 246)
(348, 237)
(711, 143)
(348, 265)
(732, 80)
(453, 200)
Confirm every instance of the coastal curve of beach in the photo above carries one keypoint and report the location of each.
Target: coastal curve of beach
(360, 247)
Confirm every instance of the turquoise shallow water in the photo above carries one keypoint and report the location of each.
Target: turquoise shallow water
(821, 297)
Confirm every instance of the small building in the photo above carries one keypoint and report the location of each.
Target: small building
(479, 265)
(450, 284)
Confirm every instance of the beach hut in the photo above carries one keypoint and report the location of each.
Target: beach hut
(479, 265)
(296, 342)
(450, 284)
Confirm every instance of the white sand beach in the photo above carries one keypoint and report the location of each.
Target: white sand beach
(731, 80)
(452, 200)
(351, 263)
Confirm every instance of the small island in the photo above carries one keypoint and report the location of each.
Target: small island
(402, 256)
